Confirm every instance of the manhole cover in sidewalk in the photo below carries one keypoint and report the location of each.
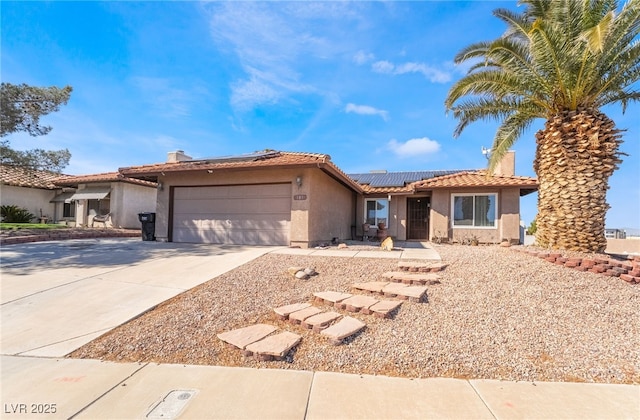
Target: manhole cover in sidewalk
(172, 404)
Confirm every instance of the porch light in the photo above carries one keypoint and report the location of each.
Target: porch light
(299, 181)
(160, 186)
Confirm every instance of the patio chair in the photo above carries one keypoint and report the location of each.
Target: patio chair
(101, 219)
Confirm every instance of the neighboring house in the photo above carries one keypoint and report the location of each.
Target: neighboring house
(29, 189)
(112, 194)
(615, 234)
(304, 199)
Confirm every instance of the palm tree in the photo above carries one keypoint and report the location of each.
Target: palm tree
(559, 60)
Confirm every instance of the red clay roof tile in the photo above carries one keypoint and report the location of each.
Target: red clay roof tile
(30, 178)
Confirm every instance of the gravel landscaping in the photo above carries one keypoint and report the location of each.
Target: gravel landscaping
(497, 314)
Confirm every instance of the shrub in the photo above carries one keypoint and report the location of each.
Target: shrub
(15, 214)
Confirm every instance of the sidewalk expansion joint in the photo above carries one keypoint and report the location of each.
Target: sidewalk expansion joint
(306, 407)
(109, 390)
(482, 399)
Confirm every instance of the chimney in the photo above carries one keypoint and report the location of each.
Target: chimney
(177, 156)
(507, 166)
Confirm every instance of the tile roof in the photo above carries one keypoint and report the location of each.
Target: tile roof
(74, 180)
(273, 160)
(478, 179)
(30, 178)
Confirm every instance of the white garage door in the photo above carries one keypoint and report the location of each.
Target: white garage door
(233, 214)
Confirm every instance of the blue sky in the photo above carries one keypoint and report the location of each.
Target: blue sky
(364, 82)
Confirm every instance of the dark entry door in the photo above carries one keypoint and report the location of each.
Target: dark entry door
(418, 218)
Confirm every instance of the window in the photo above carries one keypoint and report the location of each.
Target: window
(377, 211)
(69, 210)
(470, 210)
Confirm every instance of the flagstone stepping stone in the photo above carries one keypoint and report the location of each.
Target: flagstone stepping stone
(371, 286)
(242, 337)
(274, 347)
(357, 302)
(299, 316)
(342, 329)
(382, 309)
(413, 266)
(331, 297)
(283, 312)
(321, 321)
(402, 291)
(412, 278)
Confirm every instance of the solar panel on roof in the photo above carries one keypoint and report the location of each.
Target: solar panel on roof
(398, 179)
(236, 158)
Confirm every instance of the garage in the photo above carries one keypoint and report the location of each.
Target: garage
(258, 214)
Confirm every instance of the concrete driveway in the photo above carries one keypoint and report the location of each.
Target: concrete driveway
(57, 296)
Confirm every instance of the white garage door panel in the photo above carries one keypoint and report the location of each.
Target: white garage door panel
(245, 214)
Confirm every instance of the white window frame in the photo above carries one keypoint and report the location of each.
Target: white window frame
(367, 200)
(495, 216)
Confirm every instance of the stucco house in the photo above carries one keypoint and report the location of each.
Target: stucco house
(29, 189)
(304, 199)
(84, 197)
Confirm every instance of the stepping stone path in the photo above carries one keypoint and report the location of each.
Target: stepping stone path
(283, 312)
(407, 283)
(273, 347)
(342, 329)
(400, 290)
(321, 321)
(406, 277)
(331, 297)
(421, 267)
(242, 337)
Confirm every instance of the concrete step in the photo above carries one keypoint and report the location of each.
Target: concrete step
(342, 329)
(371, 286)
(242, 337)
(383, 309)
(402, 291)
(273, 347)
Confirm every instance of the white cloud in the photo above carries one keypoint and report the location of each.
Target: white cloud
(414, 147)
(366, 110)
(434, 75)
(362, 57)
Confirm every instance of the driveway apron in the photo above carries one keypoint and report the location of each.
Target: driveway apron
(58, 296)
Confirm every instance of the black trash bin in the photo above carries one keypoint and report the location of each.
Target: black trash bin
(148, 221)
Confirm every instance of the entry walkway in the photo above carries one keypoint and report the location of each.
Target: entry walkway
(401, 251)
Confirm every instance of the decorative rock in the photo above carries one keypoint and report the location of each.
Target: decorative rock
(242, 337)
(301, 275)
(275, 346)
(310, 271)
(342, 246)
(294, 270)
(283, 312)
(342, 329)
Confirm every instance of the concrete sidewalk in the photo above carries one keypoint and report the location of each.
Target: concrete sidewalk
(401, 251)
(92, 389)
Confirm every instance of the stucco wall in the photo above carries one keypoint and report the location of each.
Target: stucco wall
(321, 208)
(32, 199)
(127, 200)
(331, 209)
(508, 226)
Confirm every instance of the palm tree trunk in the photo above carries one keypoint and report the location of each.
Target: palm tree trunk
(576, 154)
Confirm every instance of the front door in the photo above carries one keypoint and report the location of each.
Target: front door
(418, 218)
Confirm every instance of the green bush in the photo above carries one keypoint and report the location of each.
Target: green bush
(15, 214)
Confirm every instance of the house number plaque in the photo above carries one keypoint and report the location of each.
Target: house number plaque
(300, 197)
